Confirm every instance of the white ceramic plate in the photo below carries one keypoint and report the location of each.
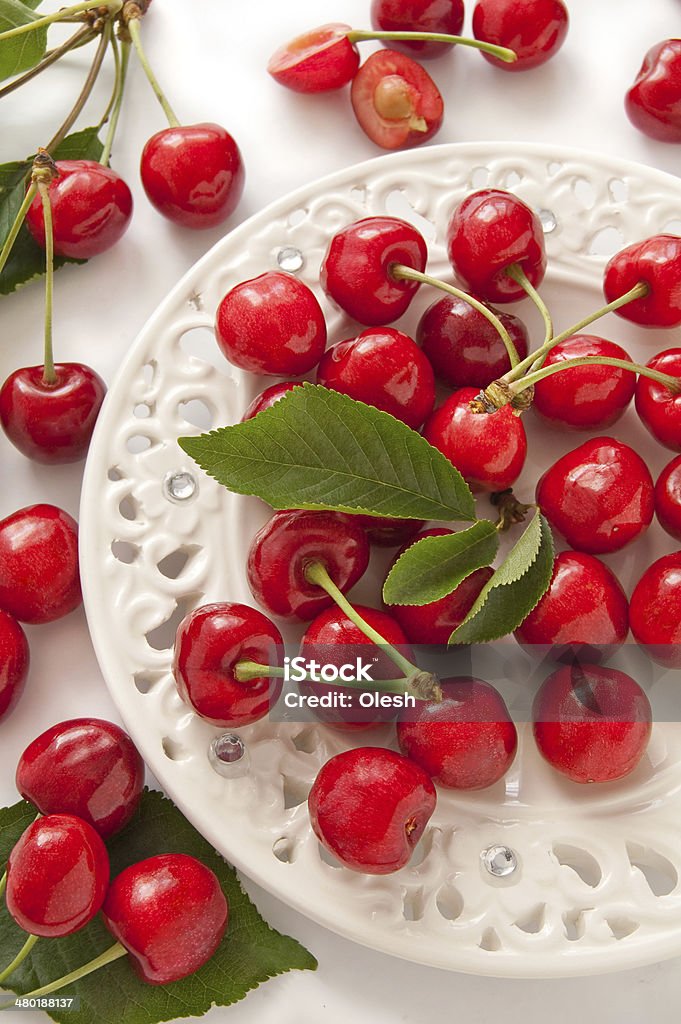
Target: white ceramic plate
(597, 884)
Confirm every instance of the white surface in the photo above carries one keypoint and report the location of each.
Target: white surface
(216, 71)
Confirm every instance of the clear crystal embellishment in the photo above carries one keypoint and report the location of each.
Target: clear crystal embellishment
(228, 755)
(548, 221)
(290, 259)
(180, 486)
(500, 861)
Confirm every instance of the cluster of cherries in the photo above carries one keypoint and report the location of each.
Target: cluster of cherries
(168, 912)
(395, 100)
(369, 805)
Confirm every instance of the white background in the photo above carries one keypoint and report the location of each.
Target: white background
(211, 57)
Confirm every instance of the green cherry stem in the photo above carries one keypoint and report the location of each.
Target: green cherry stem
(78, 38)
(123, 59)
(65, 14)
(114, 952)
(136, 36)
(245, 671)
(84, 94)
(16, 226)
(520, 277)
(3, 884)
(673, 383)
(403, 273)
(502, 52)
(20, 957)
(42, 177)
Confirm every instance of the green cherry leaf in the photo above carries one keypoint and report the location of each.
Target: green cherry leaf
(250, 953)
(433, 567)
(516, 587)
(19, 53)
(318, 449)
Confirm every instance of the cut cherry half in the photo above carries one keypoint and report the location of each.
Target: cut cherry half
(395, 101)
(320, 60)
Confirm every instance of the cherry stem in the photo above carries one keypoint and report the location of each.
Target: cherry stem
(16, 226)
(3, 884)
(511, 511)
(83, 35)
(122, 61)
(403, 273)
(502, 52)
(66, 13)
(135, 35)
(84, 94)
(20, 957)
(673, 383)
(518, 274)
(114, 952)
(245, 671)
(49, 375)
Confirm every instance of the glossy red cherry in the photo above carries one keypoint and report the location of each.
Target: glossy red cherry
(653, 103)
(281, 551)
(655, 610)
(369, 806)
(396, 102)
(441, 16)
(317, 61)
(39, 579)
(463, 347)
(466, 741)
(489, 232)
(587, 397)
(87, 767)
(383, 368)
(535, 29)
(488, 450)
(385, 532)
(51, 423)
(267, 398)
(658, 409)
(584, 607)
(668, 498)
(434, 623)
(591, 723)
(599, 496)
(91, 209)
(210, 642)
(271, 324)
(656, 262)
(355, 271)
(14, 662)
(57, 876)
(193, 174)
(170, 914)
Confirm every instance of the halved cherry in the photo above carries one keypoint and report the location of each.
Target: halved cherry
(317, 61)
(395, 100)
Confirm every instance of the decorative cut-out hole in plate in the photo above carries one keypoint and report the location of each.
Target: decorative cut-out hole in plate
(673, 227)
(618, 189)
(621, 927)
(173, 750)
(200, 343)
(173, 564)
(512, 179)
(533, 921)
(296, 217)
(490, 941)
(397, 205)
(138, 443)
(295, 791)
(479, 177)
(196, 412)
(162, 637)
(146, 681)
(575, 924)
(307, 740)
(584, 192)
(124, 551)
(580, 861)
(554, 167)
(326, 857)
(358, 193)
(449, 902)
(423, 847)
(660, 874)
(149, 372)
(284, 849)
(413, 905)
(606, 242)
(128, 508)
(142, 411)
(114, 474)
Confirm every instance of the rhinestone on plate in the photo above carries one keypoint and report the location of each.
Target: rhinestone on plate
(548, 221)
(499, 861)
(228, 755)
(290, 259)
(180, 486)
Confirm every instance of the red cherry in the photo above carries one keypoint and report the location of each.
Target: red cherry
(193, 174)
(653, 103)
(271, 324)
(655, 610)
(591, 723)
(385, 532)
(317, 61)
(396, 102)
(209, 644)
(91, 209)
(369, 806)
(281, 551)
(535, 29)
(656, 262)
(57, 876)
(14, 662)
(267, 398)
(584, 606)
(39, 579)
(489, 232)
(587, 397)
(463, 347)
(435, 622)
(658, 409)
(668, 498)
(488, 450)
(51, 423)
(333, 639)
(170, 914)
(441, 16)
(383, 368)
(87, 767)
(599, 496)
(466, 741)
(355, 271)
